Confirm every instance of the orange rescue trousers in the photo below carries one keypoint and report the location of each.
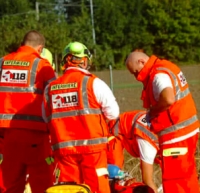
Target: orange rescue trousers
(115, 153)
(179, 173)
(1, 181)
(88, 168)
(24, 153)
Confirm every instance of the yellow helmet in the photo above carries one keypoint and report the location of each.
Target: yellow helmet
(76, 49)
(46, 54)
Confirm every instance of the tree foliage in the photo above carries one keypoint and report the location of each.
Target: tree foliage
(167, 28)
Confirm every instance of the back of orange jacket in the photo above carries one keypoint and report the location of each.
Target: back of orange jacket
(76, 121)
(22, 83)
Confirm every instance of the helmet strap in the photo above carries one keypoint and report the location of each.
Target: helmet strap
(74, 61)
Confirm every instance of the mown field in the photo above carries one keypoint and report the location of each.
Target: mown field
(127, 92)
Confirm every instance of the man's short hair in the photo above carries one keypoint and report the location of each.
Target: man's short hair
(33, 38)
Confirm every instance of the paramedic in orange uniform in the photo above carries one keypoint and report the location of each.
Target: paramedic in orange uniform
(24, 75)
(132, 130)
(173, 117)
(77, 106)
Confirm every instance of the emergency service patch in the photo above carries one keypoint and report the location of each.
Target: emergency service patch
(64, 86)
(15, 63)
(65, 100)
(142, 120)
(182, 79)
(14, 76)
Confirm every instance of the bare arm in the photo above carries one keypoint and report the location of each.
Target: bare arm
(147, 175)
(166, 99)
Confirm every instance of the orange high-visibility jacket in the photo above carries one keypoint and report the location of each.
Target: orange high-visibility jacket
(22, 82)
(75, 118)
(132, 124)
(181, 117)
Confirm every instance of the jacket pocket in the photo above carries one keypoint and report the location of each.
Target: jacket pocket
(175, 162)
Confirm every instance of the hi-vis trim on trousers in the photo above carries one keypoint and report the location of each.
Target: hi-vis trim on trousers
(102, 171)
(79, 143)
(175, 151)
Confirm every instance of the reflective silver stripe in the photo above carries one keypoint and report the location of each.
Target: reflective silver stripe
(46, 96)
(134, 122)
(52, 79)
(20, 89)
(84, 92)
(1, 156)
(32, 82)
(182, 94)
(21, 117)
(178, 126)
(33, 71)
(83, 142)
(179, 94)
(49, 81)
(146, 131)
(74, 113)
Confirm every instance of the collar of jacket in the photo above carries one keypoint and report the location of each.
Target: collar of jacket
(77, 69)
(144, 73)
(29, 50)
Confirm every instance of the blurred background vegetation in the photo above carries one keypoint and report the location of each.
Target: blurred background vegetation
(109, 28)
